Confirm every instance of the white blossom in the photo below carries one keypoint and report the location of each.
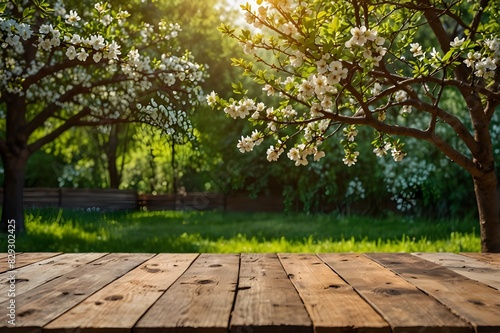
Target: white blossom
(72, 17)
(376, 89)
(212, 98)
(397, 154)
(97, 56)
(269, 90)
(457, 42)
(82, 55)
(416, 49)
(97, 42)
(351, 158)
(71, 52)
(401, 96)
(25, 31)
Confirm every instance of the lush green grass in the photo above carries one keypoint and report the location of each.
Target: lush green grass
(71, 231)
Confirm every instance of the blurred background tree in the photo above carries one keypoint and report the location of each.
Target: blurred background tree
(131, 156)
(85, 67)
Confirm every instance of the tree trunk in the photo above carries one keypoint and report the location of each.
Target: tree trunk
(489, 211)
(15, 153)
(111, 152)
(13, 187)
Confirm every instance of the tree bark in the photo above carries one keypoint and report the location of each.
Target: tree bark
(13, 187)
(15, 153)
(489, 211)
(111, 152)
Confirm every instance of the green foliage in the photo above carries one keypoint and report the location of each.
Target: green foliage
(423, 82)
(215, 164)
(72, 231)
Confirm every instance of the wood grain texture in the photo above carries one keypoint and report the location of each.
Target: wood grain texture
(200, 300)
(363, 293)
(266, 300)
(490, 258)
(48, 301)
(129, 296)
(332, 304)
(477, 303)
(473, 269)
(31, 276)
(23, 259)
(402, 305)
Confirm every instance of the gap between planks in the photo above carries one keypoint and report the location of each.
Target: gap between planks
(333, 305)
(475, 302)
(401, 304)
(46, 302)
(471, 268)
(200, 300)
(120, 304)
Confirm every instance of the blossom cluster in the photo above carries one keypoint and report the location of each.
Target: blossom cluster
(355, 189)
(404, 186)
(328, 74)
(249, 142)
(94, 65)
(13, 33)
(483, 66)
(300, 153)
(369, 42)
(397, 153)
(482, 61)
(322, 85)
(80, 48)
(246, 107)
(266, 12)
(319, 91)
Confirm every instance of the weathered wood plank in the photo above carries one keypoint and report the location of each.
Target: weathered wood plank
(471, 268)
(36, 274)
(200, 300)
(266, 300)
(332, 304)
(402, 305)
(23, 259)
(477, 303)
(491, 258)
(47, 302)
(276, 293)
(119, 305)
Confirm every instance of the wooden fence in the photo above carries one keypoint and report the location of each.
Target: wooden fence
(114, 199)
(211, 201)
(109, 199)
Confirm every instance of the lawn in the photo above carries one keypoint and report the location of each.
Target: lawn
(218, 232)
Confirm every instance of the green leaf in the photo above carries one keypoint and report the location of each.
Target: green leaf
(448, 55)
(245, 34)
(238, 88)
(335, 24)
(321, 14)
(28, 12)
(225, 29)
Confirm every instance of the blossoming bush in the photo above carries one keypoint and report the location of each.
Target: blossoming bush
(335, 66)
(82, 65)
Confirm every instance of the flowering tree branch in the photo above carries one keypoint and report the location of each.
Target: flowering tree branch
(344, 71)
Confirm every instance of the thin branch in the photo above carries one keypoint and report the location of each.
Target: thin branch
(477, 18)
(58, 131)
(53, 107)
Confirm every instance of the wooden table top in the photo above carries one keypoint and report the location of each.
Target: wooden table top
(331, 292)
